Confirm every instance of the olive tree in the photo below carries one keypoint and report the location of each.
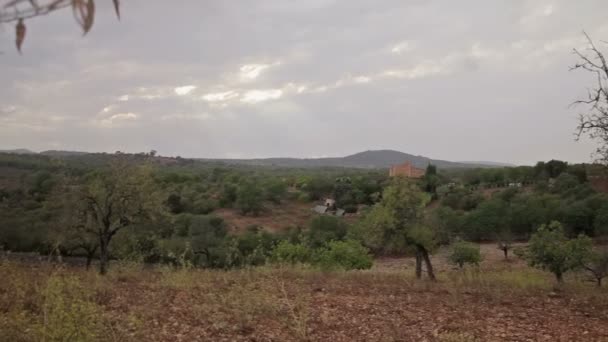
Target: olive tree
(549, 249)
(398, 222)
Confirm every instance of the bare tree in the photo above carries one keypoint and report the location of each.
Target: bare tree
(594, 121)
(20, 10)
(597, 265)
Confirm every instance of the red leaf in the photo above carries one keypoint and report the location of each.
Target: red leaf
(117, 8)
(20, 34)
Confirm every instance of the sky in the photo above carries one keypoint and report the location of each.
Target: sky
(456, 80)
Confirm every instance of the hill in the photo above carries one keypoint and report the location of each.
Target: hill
(378, 159)
(18, 151)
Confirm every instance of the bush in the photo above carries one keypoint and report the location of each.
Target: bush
(249, 198)
(287, 252)
(465, 253)
(324, 229)
(347, 255)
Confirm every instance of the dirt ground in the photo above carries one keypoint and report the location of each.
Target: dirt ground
(499, 301)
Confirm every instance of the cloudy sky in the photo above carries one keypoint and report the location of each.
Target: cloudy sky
(456, 80)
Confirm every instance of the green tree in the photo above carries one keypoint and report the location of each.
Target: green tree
(549, 249)
(275, 189)
(119, 197)
(486, 220)
(398, 222)
(249, 198)
(431, 181)
(324, 229)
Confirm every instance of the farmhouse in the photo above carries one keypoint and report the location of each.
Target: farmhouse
(406, 170)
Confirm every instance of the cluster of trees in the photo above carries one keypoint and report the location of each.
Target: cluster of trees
(566, 197)
(130, 207)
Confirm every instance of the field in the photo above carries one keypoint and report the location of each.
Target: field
(500, 301)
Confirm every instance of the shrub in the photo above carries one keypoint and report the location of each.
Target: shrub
(69, 311)
(324, 229)
(347, 255)
(288, 252)
(465, 253)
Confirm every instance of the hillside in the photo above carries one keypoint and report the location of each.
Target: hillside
(378, 159)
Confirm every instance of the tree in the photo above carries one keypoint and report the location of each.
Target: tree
(324, 229)
(207, 235)
(117, 198)
(430, 179)
(70, 222)
(464, 253)
(597, 265)
(398, 222)
(594, 121)
(549, 249)
(275, 189)
(505, 241)
(249, 198)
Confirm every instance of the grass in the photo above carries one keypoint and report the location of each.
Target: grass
(43, 302)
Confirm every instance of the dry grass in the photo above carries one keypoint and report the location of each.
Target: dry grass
(498, 301)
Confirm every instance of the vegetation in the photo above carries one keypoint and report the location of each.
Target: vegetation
(464, 253)
(551, 250)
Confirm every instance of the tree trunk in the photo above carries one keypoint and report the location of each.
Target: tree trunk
(506, 252)
(103, 254)
(559, 277)
(89, 260)
(418, 264)
(429, 266)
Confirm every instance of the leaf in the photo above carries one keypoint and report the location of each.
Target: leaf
(20, 34)
(54, 4)
(11, 3)
(84, 13)
(117, 8)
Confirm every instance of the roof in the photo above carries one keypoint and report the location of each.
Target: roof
(321, 209)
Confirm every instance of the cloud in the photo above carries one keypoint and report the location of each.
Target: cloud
(401, 47)
(221, 96)
(249, 72)
(374, 69)
(119, 118)
(6, 110)
(184, 90)
(256, 96)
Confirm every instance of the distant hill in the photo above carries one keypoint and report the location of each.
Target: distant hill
(379, 159)
(58, 153)
(18, 151)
